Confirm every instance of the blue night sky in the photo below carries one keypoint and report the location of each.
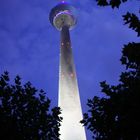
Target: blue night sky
(29, 45)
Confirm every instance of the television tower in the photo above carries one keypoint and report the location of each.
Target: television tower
(63, 18)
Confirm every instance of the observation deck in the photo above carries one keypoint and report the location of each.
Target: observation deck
(62, 15)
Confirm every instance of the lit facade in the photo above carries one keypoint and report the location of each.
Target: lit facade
(63, 18)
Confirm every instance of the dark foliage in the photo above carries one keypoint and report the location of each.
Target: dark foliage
(129, 18)
(112, 3)
(133, 22)
(117, 115)
(24, 112)
(131, 56)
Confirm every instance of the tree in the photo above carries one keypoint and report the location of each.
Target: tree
(129, 18)
(25, 113)
(117, 115)
(112, 3)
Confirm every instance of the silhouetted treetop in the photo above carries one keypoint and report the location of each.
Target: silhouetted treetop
(131, 56)
(112, 3)
(116, 116)
(129, 18)
(25, 112)
(133, 21)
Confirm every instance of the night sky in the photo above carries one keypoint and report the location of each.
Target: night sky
(29, 45)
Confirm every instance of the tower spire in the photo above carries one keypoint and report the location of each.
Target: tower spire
(63, 18)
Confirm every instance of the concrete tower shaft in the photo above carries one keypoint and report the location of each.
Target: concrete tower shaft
(69, 99)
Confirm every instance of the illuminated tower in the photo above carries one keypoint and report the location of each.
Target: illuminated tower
(63, 18)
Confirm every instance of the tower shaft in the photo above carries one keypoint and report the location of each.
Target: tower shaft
(69, 99)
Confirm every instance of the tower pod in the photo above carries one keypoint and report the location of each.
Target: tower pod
(62, 15)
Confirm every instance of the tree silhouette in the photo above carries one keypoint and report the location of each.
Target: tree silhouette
(25, 113)
(117, 115)
(112, 3)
